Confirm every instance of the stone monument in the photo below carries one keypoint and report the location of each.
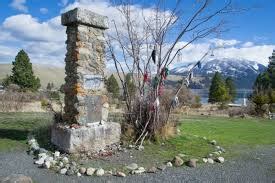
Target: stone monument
(86, 105)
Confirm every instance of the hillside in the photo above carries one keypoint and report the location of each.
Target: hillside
(44, 72)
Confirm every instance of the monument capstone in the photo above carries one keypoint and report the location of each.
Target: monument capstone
(86, 103)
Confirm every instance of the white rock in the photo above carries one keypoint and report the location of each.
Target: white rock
(40, 161)
(63, 171)
(204, 160)
(49, 158)
(99, 172)
(31, 141)
(47, 164)
(213, 142)
(61, 164)
(56, 154)
(210, 160)
(132, 166)
(78, 174)
(90, 171)
(169, 164)
(120, 174)
(140, 148)
(216, 153)
(220, 159)
(42, 155)
(139, 170)
(204, 138)
(53, 163)
(65, 160)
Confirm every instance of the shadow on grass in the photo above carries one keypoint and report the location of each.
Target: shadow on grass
(13, 134)
(43, 137)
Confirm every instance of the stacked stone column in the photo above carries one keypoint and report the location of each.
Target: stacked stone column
(85, 99)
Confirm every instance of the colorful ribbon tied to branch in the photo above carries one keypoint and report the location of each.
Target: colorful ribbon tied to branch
(175, 102)
(145, 77)
(153, 55)
(164, 72)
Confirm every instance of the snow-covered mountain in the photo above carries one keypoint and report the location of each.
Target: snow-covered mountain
(244, 72)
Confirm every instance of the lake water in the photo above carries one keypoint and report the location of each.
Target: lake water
(241, 95)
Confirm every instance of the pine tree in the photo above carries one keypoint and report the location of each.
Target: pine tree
(218, 91)
(130, 85)
(231, 88)
(112, 86)
(22, 73)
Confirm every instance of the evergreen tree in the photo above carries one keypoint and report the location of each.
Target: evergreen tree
(231, 88)
(22, 73)
(49, 87)
(130, 85)
(112, 86)
(266, 80)
(218, 91)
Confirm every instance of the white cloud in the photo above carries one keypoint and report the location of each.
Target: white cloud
(63, 2)
(224, 43)
(43, 10)
(27, 28)
(19, 5)
(248, 44)
(45, 41)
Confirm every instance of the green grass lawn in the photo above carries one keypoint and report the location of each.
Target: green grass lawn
(15, 127)
(234, 134)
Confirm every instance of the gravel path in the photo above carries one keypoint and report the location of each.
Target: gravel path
(255, 166)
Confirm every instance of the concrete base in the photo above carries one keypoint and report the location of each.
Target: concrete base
(92, 137)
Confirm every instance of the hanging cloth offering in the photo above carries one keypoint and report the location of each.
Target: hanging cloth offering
(155, 82)
(175, 102)
(164, 72)
(156, 103)
(153, 55)
(199, 65)
(191, 75)
(145, 77)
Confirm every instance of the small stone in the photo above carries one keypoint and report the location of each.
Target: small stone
(213, 142)
(65, 160)
(63, 171)
(42, 155)
(152, 170)
(218, 147)
(169, 164)
(204, 138)
(140, 170)
(220, 159)
(162, 167)
(16, 178)
(192, 163)
(210, 160)
(204, 160)
(210, 155)
(82, 170)
(70, 172)
(90, 171)
(110, 172)
(177, 161)
(132, 166)
(78, 174)
(140, 148)
(220, 152)
(49, 158)
(120, 174)
(47, 164)
(99, 172)
(40, 161)
(53, 163)
(131, 146)
(56, 154)
(61, 164)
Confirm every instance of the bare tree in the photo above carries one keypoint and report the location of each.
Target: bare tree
(144, 44)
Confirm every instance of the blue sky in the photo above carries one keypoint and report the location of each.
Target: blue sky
(34, 25)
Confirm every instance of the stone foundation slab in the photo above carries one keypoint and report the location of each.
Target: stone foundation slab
(92, 137)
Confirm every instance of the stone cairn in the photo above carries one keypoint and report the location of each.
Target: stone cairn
(86, 103)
